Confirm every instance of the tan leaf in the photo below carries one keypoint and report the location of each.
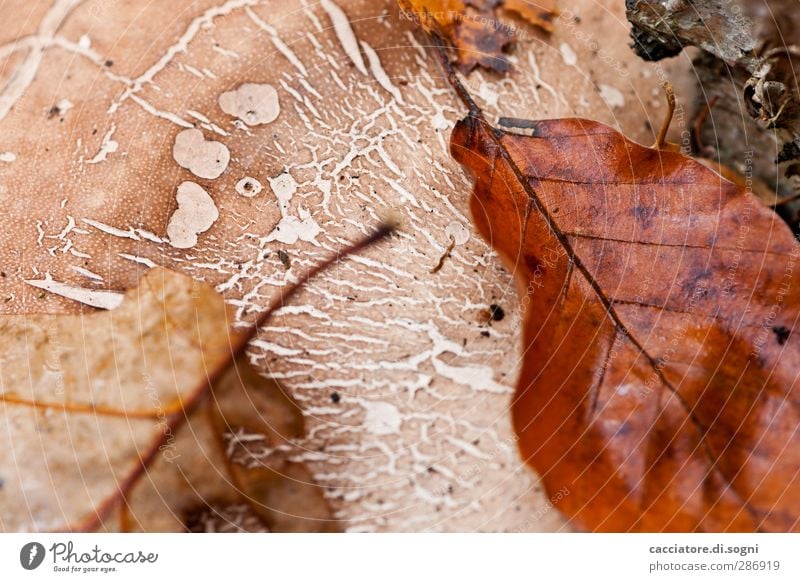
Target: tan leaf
(85, 397)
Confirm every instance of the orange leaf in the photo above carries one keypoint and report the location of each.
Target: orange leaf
(473, 27)
(659, 380)
(538, 12)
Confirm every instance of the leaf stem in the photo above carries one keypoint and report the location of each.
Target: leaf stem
(661, 139)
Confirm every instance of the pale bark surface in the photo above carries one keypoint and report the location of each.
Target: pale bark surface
(406, 397)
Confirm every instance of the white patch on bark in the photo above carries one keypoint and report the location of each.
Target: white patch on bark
(91, 297)
(87, 273)
(64, 105)
(380, 74)
(567, 54)
(277, 42)
(345, 34)
(108, 146)
(195, 214)
(253, 103)
(382, 418)
(248, 187)
(204, 159)
(291, 229)
(112, 230)
(458, 232)
(284, 187)
(612, 96)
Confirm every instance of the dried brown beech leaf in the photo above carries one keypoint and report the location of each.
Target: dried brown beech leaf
(187, 478)
(473, 28)
(83, 398)
(214, 463)
(659, 382)
(91, 402)
(249, 410)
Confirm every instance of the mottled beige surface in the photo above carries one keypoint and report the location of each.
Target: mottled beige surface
(420, 437)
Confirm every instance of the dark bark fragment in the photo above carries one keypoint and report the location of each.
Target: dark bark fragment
(749, 53)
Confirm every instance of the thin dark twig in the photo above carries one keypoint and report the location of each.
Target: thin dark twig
(452, 76)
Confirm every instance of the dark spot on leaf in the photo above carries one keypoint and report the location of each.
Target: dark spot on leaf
(534, 264)
(781, 334)
(644, 215)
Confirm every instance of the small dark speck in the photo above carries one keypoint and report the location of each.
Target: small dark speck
(109, 63)
(285, 259)
(2, 483)
(335, 398)
(781, 334)
(497, 312)
(3, 274)
(485, 333)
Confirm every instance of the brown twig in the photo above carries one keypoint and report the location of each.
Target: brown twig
(661, 139)
(452, 76)
(444, 256)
